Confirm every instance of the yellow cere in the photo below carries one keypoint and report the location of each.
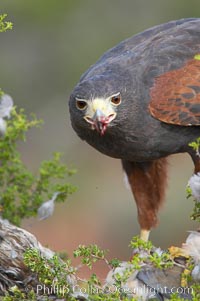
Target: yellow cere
(99, 103)
(197, 56)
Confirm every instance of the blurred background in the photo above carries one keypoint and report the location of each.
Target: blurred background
(42, 58)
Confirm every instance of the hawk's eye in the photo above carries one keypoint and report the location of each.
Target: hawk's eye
(116, 99)
(81, 104)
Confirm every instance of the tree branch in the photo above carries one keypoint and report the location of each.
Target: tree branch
(141, 283)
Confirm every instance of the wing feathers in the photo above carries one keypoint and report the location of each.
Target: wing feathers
(175, 95)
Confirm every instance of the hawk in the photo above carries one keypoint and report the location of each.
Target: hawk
(140, 102)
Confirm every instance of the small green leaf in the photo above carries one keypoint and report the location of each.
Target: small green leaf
(5, 25)
(197, 56)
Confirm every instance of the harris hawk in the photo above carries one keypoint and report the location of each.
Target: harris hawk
(140, 102)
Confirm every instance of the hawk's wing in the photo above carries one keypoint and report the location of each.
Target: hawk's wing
(175, 95)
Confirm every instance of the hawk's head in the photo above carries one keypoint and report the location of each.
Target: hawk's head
(99, 112)
(95, 111)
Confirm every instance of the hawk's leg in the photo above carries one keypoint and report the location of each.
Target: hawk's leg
(148, 183)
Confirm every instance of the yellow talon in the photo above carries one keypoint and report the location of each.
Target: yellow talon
(144, 234)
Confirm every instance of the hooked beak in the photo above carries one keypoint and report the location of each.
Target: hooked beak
(100, 121)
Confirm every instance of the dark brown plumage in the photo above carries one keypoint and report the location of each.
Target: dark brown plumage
(140, 102)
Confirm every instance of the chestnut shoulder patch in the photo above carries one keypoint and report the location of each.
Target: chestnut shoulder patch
(175, 95)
